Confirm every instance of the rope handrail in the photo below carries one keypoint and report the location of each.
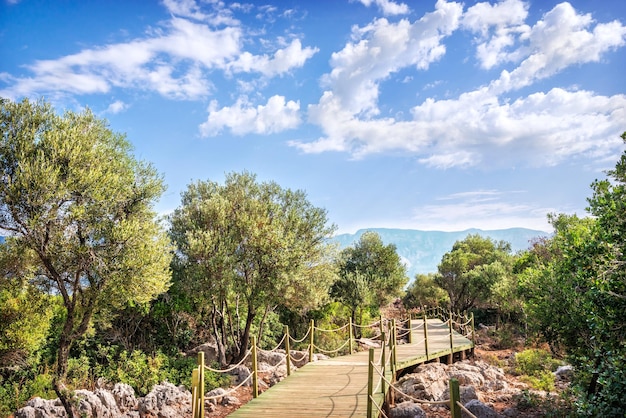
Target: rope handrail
(231, 368)
(380, 410)
(375, 337)
(274, 367)
(331, 351)
(276, 347)
(372, 325)
(462, 324)
(400, 335)
(332, 330)
(230, 390)
(301, 339)
(467, 411)
(304, 354)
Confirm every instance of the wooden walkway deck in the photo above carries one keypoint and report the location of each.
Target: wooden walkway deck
(337, 387)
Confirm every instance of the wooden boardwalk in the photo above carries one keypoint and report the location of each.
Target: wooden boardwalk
(337, 387)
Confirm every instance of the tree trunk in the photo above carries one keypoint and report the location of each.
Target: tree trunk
(60, 389)
(245, 338)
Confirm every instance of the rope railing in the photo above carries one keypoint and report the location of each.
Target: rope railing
(230, 369)
(277, 346)
(332, 351)
(391, 331)
(229, 391)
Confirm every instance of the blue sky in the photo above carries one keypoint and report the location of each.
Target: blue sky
(434, 115)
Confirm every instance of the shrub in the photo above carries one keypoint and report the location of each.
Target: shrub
(536, 367)
(534, 361)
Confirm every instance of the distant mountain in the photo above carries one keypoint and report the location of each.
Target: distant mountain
(422, 250)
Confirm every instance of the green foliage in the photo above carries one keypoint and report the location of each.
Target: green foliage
(534, 361)
(73, 195)
(245, 247)
(469, 272)
(370, 275)
(575, 289)
(423, 291)
(548, 406)
(536, 367)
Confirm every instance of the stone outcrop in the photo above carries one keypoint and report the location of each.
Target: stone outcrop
(164, 401)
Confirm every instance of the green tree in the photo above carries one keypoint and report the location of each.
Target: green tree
(575, 294)
(72, 193)
(470, 270)
(423, 291)
(370, 274)
(246, 247)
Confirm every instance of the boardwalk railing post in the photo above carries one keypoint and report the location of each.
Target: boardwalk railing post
(382, 327)
(426, 336)
(410, 327)
(288, 350)
(351, 336)
(255, 370)
(194, 392)
(311, 340)
(473, 335)
(370, 383)
(383, 367)
(451, 359)
(394, 337)
(201, 384)
(455, 397)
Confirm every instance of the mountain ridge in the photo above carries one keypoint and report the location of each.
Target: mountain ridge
(422, 251)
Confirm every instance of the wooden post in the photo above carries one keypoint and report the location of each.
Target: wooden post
(380, 322)
(410, 327)
(311, 340)
(383, 362)
(194, 393)
(473, 336)
(455, 397)
(201, 384)
(288, 350)
(451, 359)
(393, 349)
(255, 370)
(426, 335)
(370, 383)
(351, 336)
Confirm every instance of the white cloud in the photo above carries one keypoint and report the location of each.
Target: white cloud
(561, 39)
(483, 126)
(388, 7)
(116, 107)
(504, 21)
(293, 56)
(382, 48)
(176, 60)
(242, 118)
(480, 209)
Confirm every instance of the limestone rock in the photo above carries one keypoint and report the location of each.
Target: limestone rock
(428, 382)
(166, 401)
(407, 409)
(479, 409)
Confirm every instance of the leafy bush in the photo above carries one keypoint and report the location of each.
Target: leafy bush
(536, 367)
(534, 361)
(21, 386)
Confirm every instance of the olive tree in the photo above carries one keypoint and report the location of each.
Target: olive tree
(370, 274)
(72, 193)
(470, 270)
(246, 247)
